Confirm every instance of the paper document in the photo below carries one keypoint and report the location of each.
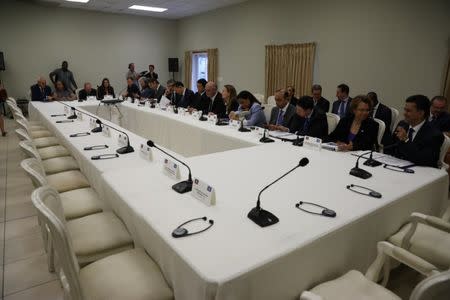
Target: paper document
(278, 134)
(164, 102)
(385, 159)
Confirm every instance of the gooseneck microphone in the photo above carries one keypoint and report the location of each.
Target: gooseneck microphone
(74, 115)
(124, 150)
(97, 120)
(263, 217)
(357, 171)
(266, 139)
(372, 162)
(180, 187)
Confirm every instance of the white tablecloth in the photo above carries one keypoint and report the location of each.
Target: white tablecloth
(236, 259)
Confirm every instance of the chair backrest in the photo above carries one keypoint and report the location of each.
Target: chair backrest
(260, 97)
(381, 129)
(268, 110)
(29, 149)
(48, 205)
(13, 100)
(35, 171)
(444, 149)
(271, 100)
(395, 119)
(332, 120)
(77, 91)
(22, 134)
(436, 287)
(23, 123)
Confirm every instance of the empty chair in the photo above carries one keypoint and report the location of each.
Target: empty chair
(130, 274)
(436, 287)
(271, 100)
(51, 165)
(76, 203)
(395, 118)
(332, 120)
(381, 128)
(40, 142)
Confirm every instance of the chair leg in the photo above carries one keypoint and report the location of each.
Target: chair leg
(374, 271)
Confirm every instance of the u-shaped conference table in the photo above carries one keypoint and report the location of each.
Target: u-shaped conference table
(236, 259)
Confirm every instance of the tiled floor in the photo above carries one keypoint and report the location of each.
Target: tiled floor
(24, 272)
(24, 263)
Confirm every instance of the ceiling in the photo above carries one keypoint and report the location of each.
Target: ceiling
(177, 9)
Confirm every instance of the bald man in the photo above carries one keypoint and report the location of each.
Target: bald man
(212, 101)
(41, 91)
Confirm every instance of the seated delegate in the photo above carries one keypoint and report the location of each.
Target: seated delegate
(87, 91)
(105, 90)
(251, 110)
(41, 91)
(357, 130)
(62, 93)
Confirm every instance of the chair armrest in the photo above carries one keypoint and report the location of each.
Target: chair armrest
(306, 295)
(438, 223)
(418, 218)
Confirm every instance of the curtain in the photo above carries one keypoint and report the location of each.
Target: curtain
(290, 64)
(187, 69)
(212, 64)
(446, 89)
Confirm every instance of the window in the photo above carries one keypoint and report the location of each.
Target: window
(199, 68)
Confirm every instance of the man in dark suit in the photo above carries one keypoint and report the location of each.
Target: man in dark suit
(158, 89)
(439, 117)
(212, 101)
(151, 74)
(417, 140)
(341, 106)
(282, 113)
(186, 95)
(87, 91)
(201, 85)
(41, 91)
(319, 101)
(309, 120)
(291, 95)
(383, 113)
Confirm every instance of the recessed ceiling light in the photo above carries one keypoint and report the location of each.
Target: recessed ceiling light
(147, 8)
(80, 1)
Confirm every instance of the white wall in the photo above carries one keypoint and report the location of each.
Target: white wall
(396, 48)
(36, 39)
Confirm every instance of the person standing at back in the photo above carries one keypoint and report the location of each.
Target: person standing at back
(131, 73)
(65, 76)
(341, 106)
(151, 74)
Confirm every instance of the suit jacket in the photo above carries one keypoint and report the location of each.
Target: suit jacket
(293, 101)
(323, 104)
(384, 114)
(234, 106)
(187, 99)
(424, 150)
(318, 125)
(287, 118)
(82, 95)
(101, 92)
(159, 92)
(39, 95)
(337, 103)
(365, 139)
(217, 106)
(442, 122)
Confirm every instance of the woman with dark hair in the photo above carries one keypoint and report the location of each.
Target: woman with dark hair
(229, 96)
(357, 131)
(105, 89)
(250, 108)
(62, 93)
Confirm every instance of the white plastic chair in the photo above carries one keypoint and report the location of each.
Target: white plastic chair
(381, 128)
(260, 97)
(271, 100)
(444, 149)
(140, 277)
(268, 111)
(395, 118)
(332, 120)
(436, 287)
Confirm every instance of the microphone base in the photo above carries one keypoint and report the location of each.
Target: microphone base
(203, 118)
(266, 140)
(360, 173)
(97, 129)
(298, 142)
(182, 187)
(372, 163)
(125, 150)
(243, 129)
(72, 117)
(262, 217)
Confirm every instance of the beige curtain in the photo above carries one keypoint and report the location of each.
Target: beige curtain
(212, 64)
(446, 90)
(290, 64)
(187, 68)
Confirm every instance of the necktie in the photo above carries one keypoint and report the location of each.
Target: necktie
(410, 134)
(342, 109)
(306, 125)
(280, 118)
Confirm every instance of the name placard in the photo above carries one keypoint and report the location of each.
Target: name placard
(182, 111)
(108, 97)
(196, 114)
(170, 108)
(122, 140)
(146, 152)
(171, 168)
(79, 116)
(203, 192)
(92, 123)
(91, 98)
(66, 110)
(106, 131)
(312, 143)
(235, 123)
(212, 119)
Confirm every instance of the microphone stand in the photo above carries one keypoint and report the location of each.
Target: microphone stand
(265, 139)
(298, 142)
(123, 150)
(242, 128)
(180, 187)
(372, 162)
(262, 217)
(74, 115)
(96, 129)
(357, 171)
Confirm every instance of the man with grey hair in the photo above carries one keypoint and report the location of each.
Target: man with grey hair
(41, 91)
(65, 76)
(146, 91)
(212, 102)
(282, 113)
(170, 92)
(319, 102)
